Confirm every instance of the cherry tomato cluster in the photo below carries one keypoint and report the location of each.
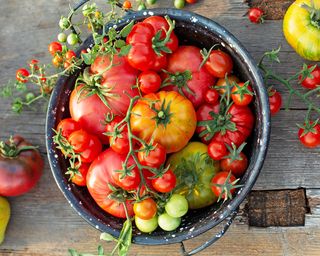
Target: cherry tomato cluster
(118, 146)
(62, 57)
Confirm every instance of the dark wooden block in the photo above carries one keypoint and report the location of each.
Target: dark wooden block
(274, 9)
(277, 208)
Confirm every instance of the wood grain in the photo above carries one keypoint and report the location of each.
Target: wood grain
(273, 9)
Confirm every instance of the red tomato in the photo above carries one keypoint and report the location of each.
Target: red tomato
(219, 63)
(145, 209)
(154, 158)
(222, 187)
(309, 135)
(79, 140)
(311, 83)
(211, 96)
(217, 150)
(237, 166)
(191, 1)
(160, 62)
(110, 125)
(70, 55)
(19, 171)
(129, 181)
(149, 82)
(256, 15)
(242, 94)
(22, 75)
(127, 5)
(195, 82)
(57, 61)
(222, 83)
(275, 101)
(54, 47)
(120, 144)
(165, 183)
(68, 126)
(79, 177)
(98, 178)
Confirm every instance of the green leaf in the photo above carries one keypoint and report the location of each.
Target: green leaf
(119, 43)
(125, 238)
(107, 237)
(73, 252)
(87, 58)
(124, 50)
(127, 29)
(100, 251)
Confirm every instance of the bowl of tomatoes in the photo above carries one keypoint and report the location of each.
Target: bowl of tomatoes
(167, 123)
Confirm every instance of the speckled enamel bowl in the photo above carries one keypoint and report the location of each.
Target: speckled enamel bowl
(191, 29)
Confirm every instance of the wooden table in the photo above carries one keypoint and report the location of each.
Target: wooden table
(43, 223)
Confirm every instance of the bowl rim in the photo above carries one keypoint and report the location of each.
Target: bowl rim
(263, 134)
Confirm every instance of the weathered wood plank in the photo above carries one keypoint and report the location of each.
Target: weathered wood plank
(274, 10)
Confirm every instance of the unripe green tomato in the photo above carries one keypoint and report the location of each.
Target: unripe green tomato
(168, 223)
(62, 37)
(29, 96)
(177, 206)
(142, 7)
(146, 226)
(179, 3)
(151, 2)
(64, 23)
(72, 39)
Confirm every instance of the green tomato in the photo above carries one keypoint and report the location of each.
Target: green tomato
(151, 2)
(72, 39)
(177, 206)
(29, 96)
(179, 3)
(168, 223)
(62, 37)
(146, 226)
(142, 7)
(64, 23)
(194, 170)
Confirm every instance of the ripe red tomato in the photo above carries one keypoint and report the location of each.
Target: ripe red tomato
(70, 54)
(79, 140)
(217, 150)
(237, 166)
(68, 126)
(256, 15)
(145, 209)
(186, 77)
(311, 83)
(54, 47)
(219, 63)
(22, 75)
(275, 101)
(120, 144)
(110, 125)
(127, 5)
(203, 113)
(309, 135)
(57, 61)
(98, 178)
(149, 82)
(222, 186)
(191, 1)
(154, 158)
(222, 83)
(160, 62)
(19, 171)
(211, 96)
(129, 181)
(242, 94)
(165, 183)
(79, 177)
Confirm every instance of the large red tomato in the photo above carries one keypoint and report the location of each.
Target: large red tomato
(186, 77)
(100, 175)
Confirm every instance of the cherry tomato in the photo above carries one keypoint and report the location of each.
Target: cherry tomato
(129, 181)
(177, 206)
(237, 166)
(165, 183)
(222, 186)
(275, 101)
(217, 150)
(145, 209)
(54, 47)
(222, 82)
(127, 5)
(312, 83)
(34, 64)
(72, 39)
(211, 96)
(168, 223)
(154, 158)
(57, 61)
(70, 54)
(22, 75)
(179, 4)
(68, 126)
(146, 226)
(110, 125)
(219, 63)
(149, 82)
(242, 94)
(191, 1)
(256, 15)
(120, 144)
(79, 140)
(79, 177)
(309, 134)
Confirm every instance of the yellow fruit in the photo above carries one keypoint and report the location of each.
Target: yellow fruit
(4, 216)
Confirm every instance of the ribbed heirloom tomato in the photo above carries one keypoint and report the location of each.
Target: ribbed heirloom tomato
(166, 117)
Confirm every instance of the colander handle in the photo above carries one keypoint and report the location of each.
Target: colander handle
(212, 240)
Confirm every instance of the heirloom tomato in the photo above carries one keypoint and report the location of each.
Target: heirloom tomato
(21, 166)
(100, 176)
(185, 77)
(167, 118)
(301, 28)
(194, 170)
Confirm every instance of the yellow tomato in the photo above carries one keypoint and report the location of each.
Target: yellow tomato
(301, 27)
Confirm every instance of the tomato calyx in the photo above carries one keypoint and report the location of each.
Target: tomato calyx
(226, 188)
(308, 126)
(162, 115)
(10, 149)
(158, 44)
(234, 151)
(180, 80)
(119, 194)
(242, 90)
(314, 14)
(306, 71)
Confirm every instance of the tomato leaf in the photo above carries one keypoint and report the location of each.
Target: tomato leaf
(100, 251)
(119, 43)
(107, 237)
(124, 50)
(125, 238)
(127, 29)
(87, 58)
(73, 252)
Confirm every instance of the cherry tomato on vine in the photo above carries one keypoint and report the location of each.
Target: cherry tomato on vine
(127, 5)
(57, 61)
(256, 15)
(149, 82)
(70, 55)
(222, 186)
(154, 158)
(146, 226)
(222, 83)
(120, 144)
(79, 177)
(34, 64)
(72, 39)
(22, 75)
(191, 1)
(165, 183)
(219, 63)
(309, 134)
(312, 83)
(68, 126)
(128, 181)
(275, 101)
(179, 4)
(211, 96)
(54, 47)
(237, 166)
(111, 124)
(242, 94)
(217, 150)
(145, 209)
